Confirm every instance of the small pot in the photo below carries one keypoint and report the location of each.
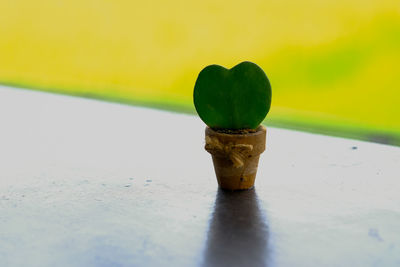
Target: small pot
(236, 156)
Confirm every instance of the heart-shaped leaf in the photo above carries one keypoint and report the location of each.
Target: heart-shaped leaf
(236, 98)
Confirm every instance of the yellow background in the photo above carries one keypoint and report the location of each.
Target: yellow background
(333, 65)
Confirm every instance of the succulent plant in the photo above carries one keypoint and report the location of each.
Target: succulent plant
(236, 98)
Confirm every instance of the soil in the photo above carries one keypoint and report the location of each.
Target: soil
(238, 131)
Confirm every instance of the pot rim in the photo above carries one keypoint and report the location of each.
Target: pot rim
(260, 129)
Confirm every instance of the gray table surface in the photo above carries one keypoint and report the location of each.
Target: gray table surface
(90, 183)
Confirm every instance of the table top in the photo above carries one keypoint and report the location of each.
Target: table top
(91, 183)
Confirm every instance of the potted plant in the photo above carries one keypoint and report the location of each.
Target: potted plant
(232, 103)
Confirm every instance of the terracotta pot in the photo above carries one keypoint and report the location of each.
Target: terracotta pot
(235, 157)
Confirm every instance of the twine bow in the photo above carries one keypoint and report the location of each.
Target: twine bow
(235, 152)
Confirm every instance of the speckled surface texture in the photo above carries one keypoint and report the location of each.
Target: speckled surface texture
(89, 183)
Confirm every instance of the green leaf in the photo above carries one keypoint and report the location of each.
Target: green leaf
(236, 98)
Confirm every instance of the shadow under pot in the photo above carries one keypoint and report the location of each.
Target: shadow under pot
(235, 156)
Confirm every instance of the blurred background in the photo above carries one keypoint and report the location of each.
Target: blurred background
(334, 66)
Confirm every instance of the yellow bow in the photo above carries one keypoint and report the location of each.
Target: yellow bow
(235, 152)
